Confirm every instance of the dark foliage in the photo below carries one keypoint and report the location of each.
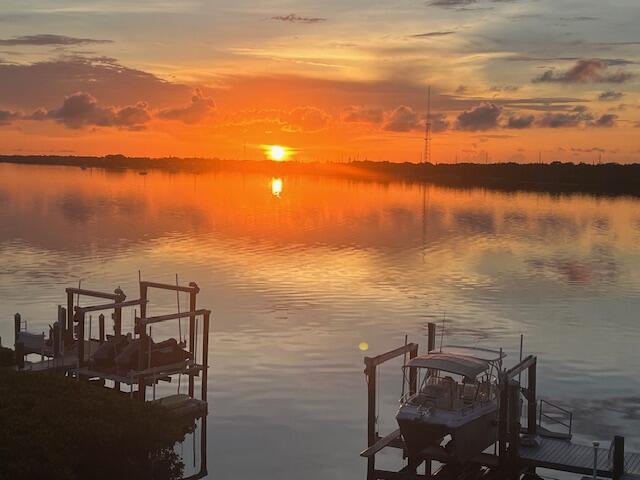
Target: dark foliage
(58, 428)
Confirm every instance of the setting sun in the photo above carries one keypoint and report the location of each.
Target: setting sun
(277, 153)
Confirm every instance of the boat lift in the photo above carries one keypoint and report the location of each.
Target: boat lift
(518, 451)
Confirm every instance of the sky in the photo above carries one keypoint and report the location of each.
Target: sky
(511, 80)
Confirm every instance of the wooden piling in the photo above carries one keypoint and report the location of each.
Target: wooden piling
(431, 337)
(101, 335)
(19, 352)
(80, 319)
(618, 457)
(205, 356)
(513, 394)
(70, 311)
(532, 402)
(192, 333)
(17, 322)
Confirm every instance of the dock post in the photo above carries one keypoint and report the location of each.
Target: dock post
(205, 356)
(19, 353)
(513, 401)
(431, 337)
(17, 321)
(532, 403)
(618, 457)
(80, 320)
(192, 332)
(117, 312)
(62, 322)
(70, 313)
(101, 328)
(372, 434)
(56, 340)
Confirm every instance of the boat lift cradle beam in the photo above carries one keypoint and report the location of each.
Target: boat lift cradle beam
(375, 443)
(193, 289)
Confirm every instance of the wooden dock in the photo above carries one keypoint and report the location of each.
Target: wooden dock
(518, 450)
(575, 458)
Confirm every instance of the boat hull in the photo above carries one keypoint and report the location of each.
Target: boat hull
(470, 434)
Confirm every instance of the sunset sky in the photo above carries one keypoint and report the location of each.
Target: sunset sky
(332, 80)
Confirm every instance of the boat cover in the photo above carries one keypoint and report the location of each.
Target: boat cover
(448, 362)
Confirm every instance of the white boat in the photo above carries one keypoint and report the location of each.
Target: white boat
(456, 404)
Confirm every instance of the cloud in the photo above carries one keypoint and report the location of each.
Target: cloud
(45, 39)
(451, 3)
(584, 71)
(362, 114)
(293, 18)
(7, 116)
(561, 119)
(81, 110)
(520, 121)
(610, 95)
(402, 119)
(482, 117)
(607, 120)
(42, 84)
(308, 119)
(433, 34)
(200, 108)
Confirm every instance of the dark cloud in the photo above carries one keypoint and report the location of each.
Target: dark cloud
(308, 119)
(520, 121)
(402, 119)
(610, 95)
(43, 84)
(504, 88)
(606, 120)
(293, 18)
(200, 108)
(45, 39)
(7, 116)
(482, 117)
(451, 3)
(433, 34)
(565, 119)
(363, 114)
(593, 70)
(82, 109)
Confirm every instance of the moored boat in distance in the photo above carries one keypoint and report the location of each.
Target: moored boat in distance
(456, 404)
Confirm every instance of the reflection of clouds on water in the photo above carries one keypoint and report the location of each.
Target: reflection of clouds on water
(554, 225)
(597, 266)
(475, 220)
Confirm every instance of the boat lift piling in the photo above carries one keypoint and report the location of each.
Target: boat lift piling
(519, 450)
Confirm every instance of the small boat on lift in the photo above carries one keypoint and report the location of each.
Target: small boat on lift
(457, 403)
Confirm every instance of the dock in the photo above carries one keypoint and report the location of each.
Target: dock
(73, 340)
(518, 449)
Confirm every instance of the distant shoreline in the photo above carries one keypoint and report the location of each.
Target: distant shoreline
(605, 179)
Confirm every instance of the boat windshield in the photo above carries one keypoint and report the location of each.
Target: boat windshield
(448, 393)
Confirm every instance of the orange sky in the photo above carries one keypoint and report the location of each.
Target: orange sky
(511, 81)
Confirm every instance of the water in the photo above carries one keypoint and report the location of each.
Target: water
(300, 271)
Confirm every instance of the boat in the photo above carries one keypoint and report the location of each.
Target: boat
(456, 406)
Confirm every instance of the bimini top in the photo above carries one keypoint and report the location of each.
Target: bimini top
(452, 363)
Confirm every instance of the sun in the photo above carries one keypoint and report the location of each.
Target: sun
(277, 153)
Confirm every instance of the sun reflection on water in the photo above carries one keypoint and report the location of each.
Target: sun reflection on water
(276, 187)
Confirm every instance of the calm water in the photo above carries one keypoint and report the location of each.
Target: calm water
(299, 271)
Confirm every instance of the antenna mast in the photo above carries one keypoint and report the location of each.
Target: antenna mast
(426, 158)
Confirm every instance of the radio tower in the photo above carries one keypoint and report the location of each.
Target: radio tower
(426, 157)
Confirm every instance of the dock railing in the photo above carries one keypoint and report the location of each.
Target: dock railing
(556, 415)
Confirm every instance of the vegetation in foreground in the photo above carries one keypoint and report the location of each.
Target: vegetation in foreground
(55, 427)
